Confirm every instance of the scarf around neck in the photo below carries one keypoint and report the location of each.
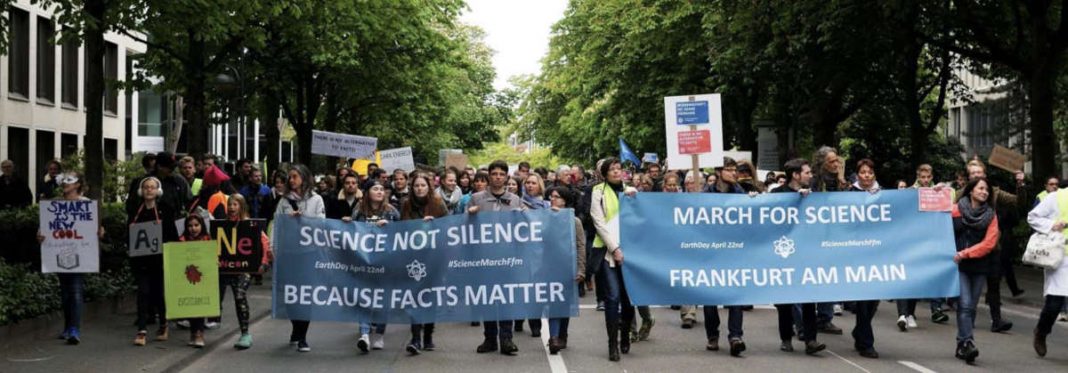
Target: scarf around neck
(974, 217)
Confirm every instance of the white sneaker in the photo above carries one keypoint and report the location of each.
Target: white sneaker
(1064, 316)
(837, 309)
(363, 343)
(377, 342)
(911, 321)
(212, 325)
(184, 324)
(902, 323)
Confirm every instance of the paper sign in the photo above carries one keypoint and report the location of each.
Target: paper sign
(190, 279)
(239, 244)
(693, 126)
(459, 161)
(1007, 159)
(400, 158)
(936, 200)
(342, 145)
(650, 158)
(145, 239)
(71, 244)
(695, 142)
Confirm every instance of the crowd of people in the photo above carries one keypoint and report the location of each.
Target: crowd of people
(199, 190)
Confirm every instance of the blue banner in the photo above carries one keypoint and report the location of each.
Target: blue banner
(487, 266)
(732, 249)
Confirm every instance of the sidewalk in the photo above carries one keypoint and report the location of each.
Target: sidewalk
(1030, 279)
(107, 340)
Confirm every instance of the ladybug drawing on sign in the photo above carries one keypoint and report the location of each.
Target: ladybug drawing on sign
(192, 273)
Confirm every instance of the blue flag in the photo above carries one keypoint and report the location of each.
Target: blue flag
(626, 154)
(730, 249)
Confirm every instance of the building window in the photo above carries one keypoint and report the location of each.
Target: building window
(46, 151)
(46, 61)
(111, 150)
(987, 122)
(68, 144)
(111, 76)
(150, 113)
(18, 62)
(70, 73)
(18, 150)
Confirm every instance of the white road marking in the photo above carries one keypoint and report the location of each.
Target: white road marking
(916, 367)
(556, 362)
(848, 361)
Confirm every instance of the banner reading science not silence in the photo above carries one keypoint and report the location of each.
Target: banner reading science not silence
(487, 266)
(726, 249)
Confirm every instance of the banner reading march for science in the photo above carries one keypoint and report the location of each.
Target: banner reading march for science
(487, 266)
(731, 249)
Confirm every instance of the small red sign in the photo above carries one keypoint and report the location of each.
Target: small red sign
(936, 200)
(695, 142)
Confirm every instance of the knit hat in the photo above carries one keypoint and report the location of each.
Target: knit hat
(213, 176)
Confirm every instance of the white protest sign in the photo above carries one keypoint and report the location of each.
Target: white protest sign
(694, 127)
(342, 145)
(71, 244)
(399, 158)
(146, 239)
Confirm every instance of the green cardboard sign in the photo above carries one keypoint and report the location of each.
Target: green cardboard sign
(191, 279)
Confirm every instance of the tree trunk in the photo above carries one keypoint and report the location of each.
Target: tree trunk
(196, 98)
(269, 124)
(1043, 139)
(94, 100)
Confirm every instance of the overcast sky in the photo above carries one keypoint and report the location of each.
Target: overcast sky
(517, 31)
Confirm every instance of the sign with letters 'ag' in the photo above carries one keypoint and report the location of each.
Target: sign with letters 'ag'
(239, 244)
(731, 249)
(486, 266)
(146, 239)
(190, 279)
(694, 128)
(71, 244)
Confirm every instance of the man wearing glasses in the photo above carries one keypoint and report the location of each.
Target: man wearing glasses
(496, 198)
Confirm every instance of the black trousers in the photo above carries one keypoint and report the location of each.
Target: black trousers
(1054, 305)
(786, 321)
(863, 335)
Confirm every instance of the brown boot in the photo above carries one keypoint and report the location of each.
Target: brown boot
(1040, 344)
(162, 334)
(554, 345)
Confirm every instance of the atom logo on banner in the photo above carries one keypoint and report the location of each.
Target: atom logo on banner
(784, 247)
(416, 270)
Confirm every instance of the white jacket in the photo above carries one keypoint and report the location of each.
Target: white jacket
(1041, 219)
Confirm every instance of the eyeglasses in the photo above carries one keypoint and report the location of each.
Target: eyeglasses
(65, 179)
(555, 196)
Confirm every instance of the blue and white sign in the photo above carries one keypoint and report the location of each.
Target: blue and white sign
(459, 268)
(731, 249)
(691, 113)
(650, 158)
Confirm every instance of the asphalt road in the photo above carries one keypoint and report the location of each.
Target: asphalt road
(928, 348)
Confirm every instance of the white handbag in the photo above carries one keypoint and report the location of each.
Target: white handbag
(1045, 250)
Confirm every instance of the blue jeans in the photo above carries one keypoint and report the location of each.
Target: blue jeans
(558, 327)
(72, 294)
(365, 328)
(824, 313)
(734, 322)
(971, 286)
(617, 307)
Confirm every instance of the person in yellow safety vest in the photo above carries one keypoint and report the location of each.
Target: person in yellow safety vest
(604, 210)
(1051, 186)
(1051, 215)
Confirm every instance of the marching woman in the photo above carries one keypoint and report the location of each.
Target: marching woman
(375, 209)
(148, 269)
(423, 204)
(239, 282)
(1051, 215)
(450, 192)
(562, 198)
(532, 199)
(863, 334)
(71, 285)
(195, 230)
(301, 200)
(604, 207)
(975, 226)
